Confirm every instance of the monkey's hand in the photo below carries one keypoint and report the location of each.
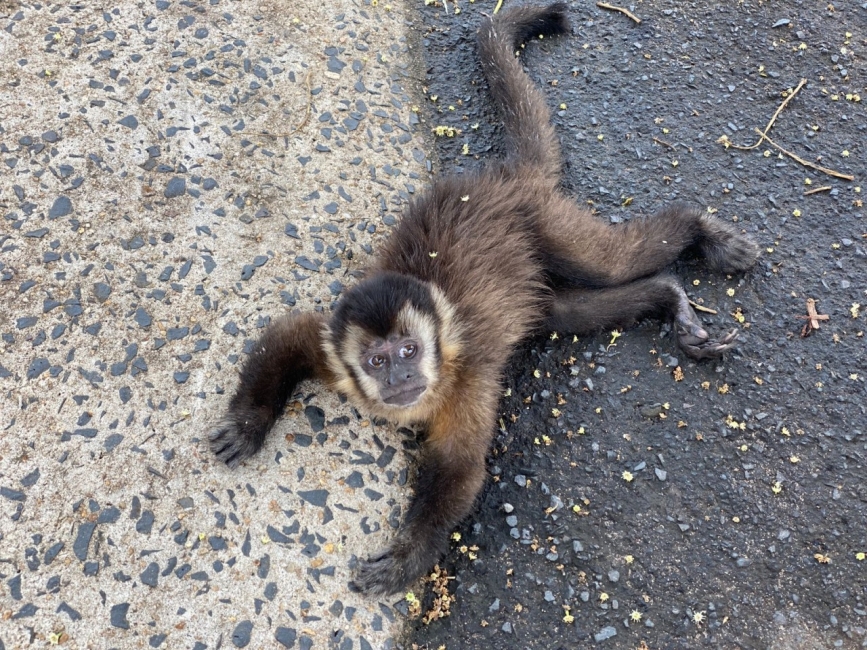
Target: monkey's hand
(238, 436)
(396, 568)
(694, 339)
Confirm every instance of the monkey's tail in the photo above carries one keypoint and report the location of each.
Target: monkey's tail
(530, 138)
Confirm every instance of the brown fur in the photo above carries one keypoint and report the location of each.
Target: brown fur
(478, 264)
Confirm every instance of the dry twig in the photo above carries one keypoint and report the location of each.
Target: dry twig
(306, 113)
(307, 108)
(813, 317)
(706, 310)
(771, 123)
(805, 163)
(625, 12)
(660, 141)
(763, 137)
(816, 190)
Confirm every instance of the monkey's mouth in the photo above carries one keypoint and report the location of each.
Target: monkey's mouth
(405, 398)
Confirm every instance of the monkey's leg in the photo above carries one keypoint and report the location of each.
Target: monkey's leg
(584, 250)
(288, 351)
(451, 474)
(583, 311)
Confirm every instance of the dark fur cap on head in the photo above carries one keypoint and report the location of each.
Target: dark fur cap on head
(376, 302)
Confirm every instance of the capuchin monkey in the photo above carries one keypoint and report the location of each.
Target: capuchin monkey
(478, 264)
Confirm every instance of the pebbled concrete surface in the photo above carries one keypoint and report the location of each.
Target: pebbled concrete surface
(174, 174)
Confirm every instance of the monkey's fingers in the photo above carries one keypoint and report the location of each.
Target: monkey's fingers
(392, 570)
(231, 442)
(711, 348)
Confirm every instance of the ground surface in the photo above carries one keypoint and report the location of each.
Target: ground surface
(166, 190)
(699, 533)
(174, 175)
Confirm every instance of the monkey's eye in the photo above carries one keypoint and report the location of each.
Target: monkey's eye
(408, 351)
(376, 361)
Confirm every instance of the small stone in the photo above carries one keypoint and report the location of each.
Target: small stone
(614, 575)
(118, 616)
(354, 480)
(651, 411)
(31, 479)
(314, 497)
(12, 495)
(335, 65)
(241, 634)
(61, 207)
(605, 633)
(37, 367)
(145, 522)
(142, 317)
(130, 122)
(661, 474)
(101, 291)
(150, 575)
(74, 615)
(285, 636)
(175, 187)
(316, 417)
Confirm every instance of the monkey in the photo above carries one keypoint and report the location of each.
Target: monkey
(478, 263)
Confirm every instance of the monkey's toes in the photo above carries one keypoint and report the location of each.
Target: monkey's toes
(230, 443)
(688, 328)
(711, 348)
(740, 254)
(729, 251)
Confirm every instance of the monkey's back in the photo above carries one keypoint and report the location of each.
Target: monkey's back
(474, 236)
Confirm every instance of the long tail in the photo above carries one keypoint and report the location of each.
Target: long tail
(530, 137)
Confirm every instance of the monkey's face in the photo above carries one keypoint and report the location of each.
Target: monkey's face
(386, 345)
(396, 365)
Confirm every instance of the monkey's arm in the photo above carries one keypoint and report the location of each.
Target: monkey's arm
(288, 352)
(451, 474)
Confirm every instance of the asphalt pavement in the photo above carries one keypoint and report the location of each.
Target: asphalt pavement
(638, 499)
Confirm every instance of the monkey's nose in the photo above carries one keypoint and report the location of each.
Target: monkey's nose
(399, 377)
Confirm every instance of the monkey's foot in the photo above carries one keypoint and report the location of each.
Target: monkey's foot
(694, 339)
(393, 569)
(725, 248)
(234, 439)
